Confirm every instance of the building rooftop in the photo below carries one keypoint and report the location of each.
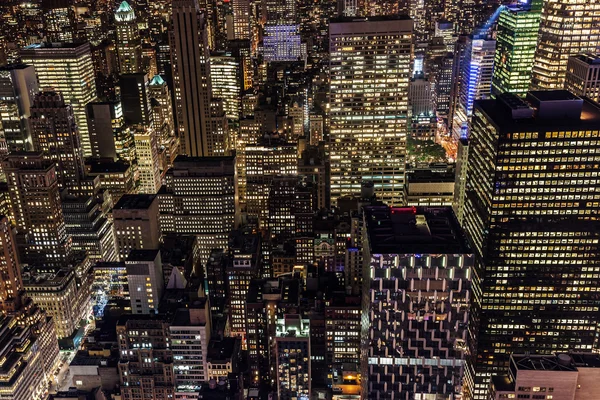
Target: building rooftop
(263, 289)
(157, 80)
(244, 243)
(588, 58)
(560, 362)
(223, 350)
(135, 202)
(181, 160)
(552, 95)
(371, 18)
(101, 166)
(414, 230)
(142, 255)
(15, 66)
(541, 111)
(55, 45)
(430, 176)
(292, 326)
(82, 358)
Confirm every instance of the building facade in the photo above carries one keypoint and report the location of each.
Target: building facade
(529, 212)
(367, 133)
(567, 28)
(417, 297)
(66, 68)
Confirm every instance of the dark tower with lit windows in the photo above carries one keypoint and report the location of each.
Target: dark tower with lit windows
(531, 209)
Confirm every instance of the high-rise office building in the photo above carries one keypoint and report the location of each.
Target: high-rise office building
(347, 8)
(145, 357)
(116, 177)
(244, 263)
(530, 211)
(267, 300)
(200, 198)
(57, 293)
(148, 162)
(54, 132)
(190, 61)
(419, 96)
(18, 86)
(225, 76)
(216, 280)
(342, 330)
(268, 157)
(293, 352)
(418, 291)
(476, 80)
(190, 333)
(369, 104)
(89, 228)
(23, 376)
(516, 42)
(59, 20)
(66, 68)
(129, 45)
(145, 280)
(109, 136)
(291, 206)
(35, 198)
(135, 217)
(567, 28)
(281, 36)
(583, 76)
(164, 125)
(242, 30)
(10, 269)
(135, 99)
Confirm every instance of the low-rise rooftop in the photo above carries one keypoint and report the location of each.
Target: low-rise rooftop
(414, 230)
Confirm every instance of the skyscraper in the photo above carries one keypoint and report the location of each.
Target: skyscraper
(566, 29)
(59, 20)
(190, 333)
(531, 206)
(135, 99)
(369, 104)
(54, 132)
(10, 269)
(265, 159)
(418, 271)
(583, 76)
(225, 75)
(191, 80)
(515, 49)
(89, 228)
(18, 86)
(155, 357)
(109, 136)
(66, 68)
(164, 125)
(34, 194)
(135, 218)
(148, 162)
(244, 263)
(281, 38)
(476, 80)
(200, 198)
(241, 19)
(145, 280)
(293, 357)
(129, 45)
